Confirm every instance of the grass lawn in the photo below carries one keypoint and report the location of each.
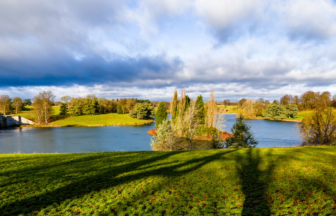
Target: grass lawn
(278, 181)
(99, 120)
(302, 114)
(230, 109)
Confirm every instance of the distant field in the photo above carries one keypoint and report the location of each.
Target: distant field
(99, 120)
(303, 114)
(30, 115)
(228, 109)
(274, 181)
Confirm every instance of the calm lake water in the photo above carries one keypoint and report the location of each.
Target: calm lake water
(135, 138)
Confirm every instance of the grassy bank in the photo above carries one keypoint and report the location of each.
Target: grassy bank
(277, 181)
(99, 120)
(113, 119)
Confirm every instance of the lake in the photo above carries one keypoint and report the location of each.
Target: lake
(126, 138)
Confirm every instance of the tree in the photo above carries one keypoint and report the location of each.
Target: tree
(285, 100)
(292, 111)
(64, 109)
(242, 137)
(142, 111)
(66, 100)
(45, 100)
(173, 107)
(76, 108)
(212, 111)
(248, 109)
(5, 103)
(120, 111)
(165, 138)
(161, 114)
(320, 127)
(192, 123)
(17, 102)
(26, 102)
(200, 109)
(241, 102)
(280, 112)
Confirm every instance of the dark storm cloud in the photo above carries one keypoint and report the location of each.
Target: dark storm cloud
(88, 71)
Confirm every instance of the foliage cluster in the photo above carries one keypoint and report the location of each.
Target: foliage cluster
(319, 128)
(161, 114)
(242, 136)
(142, 111)
(281, 181)
(279, 112)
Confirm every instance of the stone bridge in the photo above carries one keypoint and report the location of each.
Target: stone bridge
(14, 121)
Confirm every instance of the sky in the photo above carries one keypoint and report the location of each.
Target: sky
(148, 48)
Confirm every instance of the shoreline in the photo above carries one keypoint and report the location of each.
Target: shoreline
(256, 118)
(97, 125)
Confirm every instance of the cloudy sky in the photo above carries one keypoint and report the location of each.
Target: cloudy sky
(146, 49)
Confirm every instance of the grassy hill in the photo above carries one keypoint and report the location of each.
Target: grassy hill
(277, 181)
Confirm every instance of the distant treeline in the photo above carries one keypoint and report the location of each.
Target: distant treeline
(306, 101)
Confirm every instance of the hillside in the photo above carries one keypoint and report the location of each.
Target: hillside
(258, 181)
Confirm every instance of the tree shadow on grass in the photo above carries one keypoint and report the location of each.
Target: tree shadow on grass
(109, 177)
(254, 180)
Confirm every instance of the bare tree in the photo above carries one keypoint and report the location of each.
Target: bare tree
(212, 111)
(248, 109)
(17, 104)
(45, 100)
(4, 103)
(66, 100)
(191, 122)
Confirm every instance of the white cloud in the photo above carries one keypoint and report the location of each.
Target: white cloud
(224, 13)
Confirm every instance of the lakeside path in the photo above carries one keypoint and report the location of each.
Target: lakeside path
(279, 181)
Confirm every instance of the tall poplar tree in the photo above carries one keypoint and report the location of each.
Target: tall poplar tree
(174, 104)
(161, 114)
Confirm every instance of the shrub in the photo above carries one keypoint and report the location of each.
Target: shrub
(320, 127)
(142, 111)
(241, 137)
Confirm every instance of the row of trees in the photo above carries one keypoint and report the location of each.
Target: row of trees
(11, 106)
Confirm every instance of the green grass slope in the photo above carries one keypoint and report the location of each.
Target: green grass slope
(278, 181)
(100, 120)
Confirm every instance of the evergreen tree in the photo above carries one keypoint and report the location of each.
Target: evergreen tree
(242, 136)
(187, 102)
(89, 109)
(292, 111)
(280, 112)
(161, 114)
(174, 109)
(200, 109)
(76, 108)
(63, 109)
(142, 111)
(120, 111)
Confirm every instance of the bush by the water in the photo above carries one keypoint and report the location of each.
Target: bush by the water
(279, 112)
(142, 111)
(242, 136)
